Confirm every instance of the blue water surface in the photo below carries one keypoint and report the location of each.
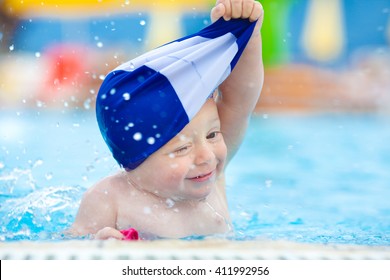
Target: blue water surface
(305, 178)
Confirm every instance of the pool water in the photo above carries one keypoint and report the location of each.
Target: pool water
(317, 178)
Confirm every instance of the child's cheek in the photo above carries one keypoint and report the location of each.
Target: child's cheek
(177, 169)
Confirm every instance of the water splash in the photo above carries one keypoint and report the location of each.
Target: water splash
(42, 213)
(21, 178)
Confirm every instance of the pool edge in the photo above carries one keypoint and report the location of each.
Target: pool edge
(214, 249)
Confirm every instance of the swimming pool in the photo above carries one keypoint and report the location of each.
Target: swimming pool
(317, 178)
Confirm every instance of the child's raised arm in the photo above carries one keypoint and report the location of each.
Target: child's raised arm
(240, 92)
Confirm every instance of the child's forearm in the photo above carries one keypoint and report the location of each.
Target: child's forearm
(241, 90)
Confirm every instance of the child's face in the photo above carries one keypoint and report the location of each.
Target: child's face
(186, 167)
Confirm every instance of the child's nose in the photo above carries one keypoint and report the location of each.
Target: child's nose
(204, 154)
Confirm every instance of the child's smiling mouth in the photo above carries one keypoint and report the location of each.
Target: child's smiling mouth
(203, 177)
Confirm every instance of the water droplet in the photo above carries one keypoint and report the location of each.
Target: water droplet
(99, 44)
(131, 66)
(142, 22)
(90, 168)
(151, 140)
(56, 82)
(174, 166)
(171, 155)
(102, 77)
(87, 104)
(11, 48)
(92, 91)
(37, 54)
(126, 96)
(130, 124)
(268, 183)
(103, 96)
(147, 210)
(169, 202)
(49, 176)
(112, 91)
(37, 163)
(2, 165)
(137, 136)
(40, 104)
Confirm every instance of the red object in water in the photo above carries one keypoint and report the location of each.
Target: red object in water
(129, 234)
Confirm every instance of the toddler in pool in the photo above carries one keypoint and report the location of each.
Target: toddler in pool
(176, 189)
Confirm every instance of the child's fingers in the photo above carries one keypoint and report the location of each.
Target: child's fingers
(107, 233)
(257, 12)
(247, 8)
(217, 12)
(236, 8)
(228, 9)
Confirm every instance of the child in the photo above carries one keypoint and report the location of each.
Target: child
(178, 190)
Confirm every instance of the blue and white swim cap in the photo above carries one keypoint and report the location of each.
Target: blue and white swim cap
(144, 103)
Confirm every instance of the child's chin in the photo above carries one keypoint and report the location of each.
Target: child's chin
(201, 194)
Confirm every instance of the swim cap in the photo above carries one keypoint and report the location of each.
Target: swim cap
(144, 103)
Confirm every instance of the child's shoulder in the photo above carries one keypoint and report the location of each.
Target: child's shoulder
(108, 186)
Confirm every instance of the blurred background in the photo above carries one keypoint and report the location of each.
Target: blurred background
(320, 55)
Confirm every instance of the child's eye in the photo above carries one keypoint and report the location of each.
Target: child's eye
(181, 150)
(213, 135)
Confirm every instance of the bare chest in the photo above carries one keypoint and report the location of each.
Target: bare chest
(176, 220)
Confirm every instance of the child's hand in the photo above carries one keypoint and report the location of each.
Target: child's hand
(229, 9)
(107, 233)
